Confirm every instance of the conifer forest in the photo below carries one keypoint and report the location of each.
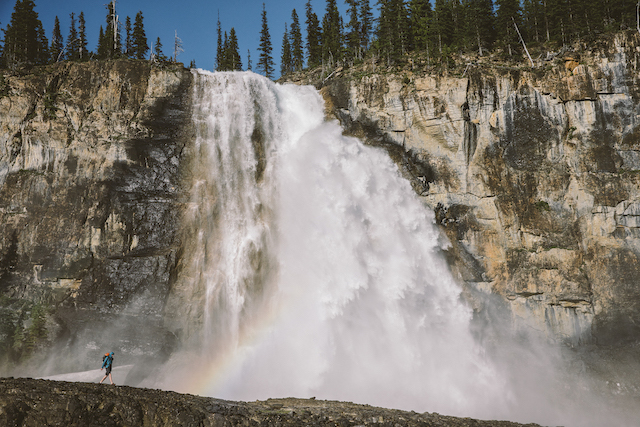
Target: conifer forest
(387, 30)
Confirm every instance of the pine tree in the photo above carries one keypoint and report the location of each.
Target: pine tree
(443, 25)
(480, 24)
(331, 34)
(128, 41)
(25, 43)
(533, 20)
(82, 38)
(219, 48)
(248, 60)
(101, 50)
(297, 53)
(366, 24)
(73, 44)
(157, 50)
(420, 15)
(507, 13)
(352, 35)
(286, 65)
(233, 52)
(139, 38)
(392, 32)
(224, 65)
(57, 42)
(265, 62)
(314, 49)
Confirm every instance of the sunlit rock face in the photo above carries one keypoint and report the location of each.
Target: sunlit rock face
(533, 174)
(91, 190)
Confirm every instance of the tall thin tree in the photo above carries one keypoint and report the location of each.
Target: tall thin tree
(73, 44)
(139, 42)
(297, 53)
(57, 42)
(286, 65)
(265, 61)
(314, 49)
(83, 53)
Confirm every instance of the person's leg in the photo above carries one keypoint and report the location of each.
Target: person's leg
(110, 379)
(103, 378)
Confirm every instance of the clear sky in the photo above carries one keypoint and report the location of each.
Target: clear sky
(194, 20)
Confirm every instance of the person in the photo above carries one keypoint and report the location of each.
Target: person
(107, 363)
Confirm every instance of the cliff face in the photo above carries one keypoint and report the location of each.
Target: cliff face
(91, 192)
(533, 174)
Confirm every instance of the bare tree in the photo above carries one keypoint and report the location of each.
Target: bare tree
(177, 47)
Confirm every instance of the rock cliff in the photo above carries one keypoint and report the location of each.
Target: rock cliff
(91, 193)
(533, 175)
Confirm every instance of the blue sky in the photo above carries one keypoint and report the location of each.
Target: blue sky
(194, 20)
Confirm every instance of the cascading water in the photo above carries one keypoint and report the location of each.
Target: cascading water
(311, 268)
(317, 268)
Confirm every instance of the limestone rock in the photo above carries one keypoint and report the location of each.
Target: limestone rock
(533, 174)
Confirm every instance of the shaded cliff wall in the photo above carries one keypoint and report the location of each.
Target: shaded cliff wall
(534, 175)
(91, 193)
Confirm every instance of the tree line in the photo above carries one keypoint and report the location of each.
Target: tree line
(25, 43)
(438, 28)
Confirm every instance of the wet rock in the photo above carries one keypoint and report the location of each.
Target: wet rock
(92, 186)
(532, 174)
(28, 402)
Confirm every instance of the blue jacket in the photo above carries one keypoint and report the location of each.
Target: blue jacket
(108, 360)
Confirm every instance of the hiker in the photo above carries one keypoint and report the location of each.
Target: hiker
(107, 363)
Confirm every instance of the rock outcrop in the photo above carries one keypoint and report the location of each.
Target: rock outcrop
(91, 194)
(27, 402)
(533, 175)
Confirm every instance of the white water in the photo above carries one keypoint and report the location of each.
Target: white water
(323, 277)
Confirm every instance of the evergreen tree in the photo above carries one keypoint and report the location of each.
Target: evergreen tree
(82, 38)
(286, 63)
(366, 24)
(57, 42)
(219, 48)
(480, 25)
(139, 38)
(233, 52)
(297, 54)
(331, 34)
(314, 49)
(157, 50)
(25, 43)
(507, 13)
(102, 51)
(224, 65)
(248, 60)
(442, 25)
(192, 64)
(420, 15)
(353, 31)
(128, 41)
(73, 43)
(265, 62)
(393, 26)
(556, 17)
(533, 20)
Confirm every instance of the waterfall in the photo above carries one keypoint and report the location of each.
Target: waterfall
(314, 268)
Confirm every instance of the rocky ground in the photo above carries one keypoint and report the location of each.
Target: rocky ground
(30, 402)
